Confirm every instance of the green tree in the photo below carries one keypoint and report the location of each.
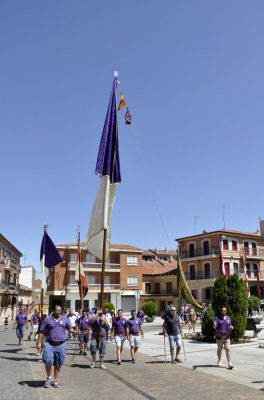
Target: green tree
(237, 305)
(207, 324)
(108, 306)
(149, 308)
(253, 302)
(220, 294)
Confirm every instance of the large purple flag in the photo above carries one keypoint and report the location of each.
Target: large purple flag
(108, 154)
(49, 257)
(108, 167)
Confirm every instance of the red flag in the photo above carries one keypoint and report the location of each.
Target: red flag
(221, 265)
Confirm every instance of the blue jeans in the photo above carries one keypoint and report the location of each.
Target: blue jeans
(20, 330)
(101, 346)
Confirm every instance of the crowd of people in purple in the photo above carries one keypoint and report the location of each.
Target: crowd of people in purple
(94, 329)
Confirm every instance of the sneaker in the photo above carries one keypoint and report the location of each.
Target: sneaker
(47, 383)
(56, 384)
(173, 362)
(230, 366)
(119, 363)
(92, 365)
(80, 352)
(219, 363)
(38, 353)
(102, 366)
(178, 360)
(84, 353)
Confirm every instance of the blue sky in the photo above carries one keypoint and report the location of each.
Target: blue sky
(192, 76)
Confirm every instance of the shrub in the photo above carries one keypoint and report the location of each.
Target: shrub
(253, 302)
(108, 306)
(237, 305)
(220, 294)
(207, 324)
(149, 308)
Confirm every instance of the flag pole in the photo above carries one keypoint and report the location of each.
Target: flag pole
(103, 269)
(79, 266)
(43, 266)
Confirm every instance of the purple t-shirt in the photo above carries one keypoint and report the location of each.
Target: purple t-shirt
(21, 319)
(35, 319)
(95, 327)
(119, 325)
(141, 316)
(223, 327)
(84, 323)
(55, 329)
(133, 325)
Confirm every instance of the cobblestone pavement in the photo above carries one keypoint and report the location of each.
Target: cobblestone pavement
(22, 376)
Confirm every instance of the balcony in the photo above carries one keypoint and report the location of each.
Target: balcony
(156, 292)
(252, 275)
(110, 267)
(8, 286)
(198, 275)
(211, 251)
(97, 286)
(253, 253)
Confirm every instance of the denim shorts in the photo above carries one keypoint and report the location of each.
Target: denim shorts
(175, 340)
(84, 337)
(54, 355)
(119, 340)
(20, 330)
(101, 346)
(134, 340)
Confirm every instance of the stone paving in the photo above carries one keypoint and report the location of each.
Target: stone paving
(22, 375)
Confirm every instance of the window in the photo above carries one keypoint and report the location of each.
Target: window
(157, 287)
(169, 287)
(225, 244)
(72, 280)
(227, 269)
(132, 260)
(191, 250)
(246, 250)
(73, 257)
(162, 305)
(78, 305)
(90, 258)
(235, 267)
(256, 271)
(234, 245)
(192, 272)
(148, 287)
(91, 279)
(254, 249)
(68, 304)
(195, 294)
(208, 294)
(248, 270)
(206, 248)
(132, 281)
(207, 271)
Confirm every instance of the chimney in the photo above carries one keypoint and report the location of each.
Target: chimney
(261, 227)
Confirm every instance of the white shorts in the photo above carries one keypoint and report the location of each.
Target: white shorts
(134, 341)
(35, 329)
(120, 340)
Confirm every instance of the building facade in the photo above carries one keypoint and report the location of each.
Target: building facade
(203, 256)
(123, 277)
(9, 272)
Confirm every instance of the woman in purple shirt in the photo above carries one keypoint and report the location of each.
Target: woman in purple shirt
(223, 327)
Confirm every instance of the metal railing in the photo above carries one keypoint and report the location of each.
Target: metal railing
(162, 292)
(200, 252)
(87, 265)
(200, 275)
(97, 286)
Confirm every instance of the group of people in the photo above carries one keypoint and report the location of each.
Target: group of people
(53, 331)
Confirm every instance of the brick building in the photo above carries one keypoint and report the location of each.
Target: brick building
(200, 258)
(123, 277)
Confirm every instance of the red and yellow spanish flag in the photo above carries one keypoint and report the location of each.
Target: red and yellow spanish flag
(122, 102)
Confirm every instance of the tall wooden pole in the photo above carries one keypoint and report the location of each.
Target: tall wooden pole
(103, 269)
(79, 266)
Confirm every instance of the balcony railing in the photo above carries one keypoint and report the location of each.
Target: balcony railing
(250, 274)
(7, 285)
(97, 286)
(162, 292)
(200, 275)
(90, 265)
(212, 250)
(253, 253)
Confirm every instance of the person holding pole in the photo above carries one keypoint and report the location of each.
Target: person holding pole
(54, 328)
(172, 328)
(223, 327)
(98, 340)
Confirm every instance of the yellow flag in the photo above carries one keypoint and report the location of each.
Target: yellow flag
(122, 102)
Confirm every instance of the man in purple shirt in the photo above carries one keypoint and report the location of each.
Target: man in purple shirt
(98, 341)
(20, 324)
(54, 328)
(223, 327)
(84, 331)
(119, 330)
(141, 315)
(134, 329)
(35, 319)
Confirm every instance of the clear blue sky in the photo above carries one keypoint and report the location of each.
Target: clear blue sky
(192, 75)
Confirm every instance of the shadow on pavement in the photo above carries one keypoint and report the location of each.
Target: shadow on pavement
(34, 384)
(11, 350)
(205, 366)
(80, 366)
(20, 359)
